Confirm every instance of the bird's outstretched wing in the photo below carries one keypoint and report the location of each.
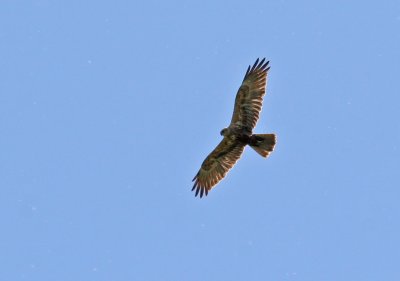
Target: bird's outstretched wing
(217, 164)
(250, 95)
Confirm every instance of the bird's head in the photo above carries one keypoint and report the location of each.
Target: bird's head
(224, 132)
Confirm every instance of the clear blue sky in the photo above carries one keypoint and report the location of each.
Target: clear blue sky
(108, 108)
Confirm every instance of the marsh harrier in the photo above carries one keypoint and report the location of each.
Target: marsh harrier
(248, 105)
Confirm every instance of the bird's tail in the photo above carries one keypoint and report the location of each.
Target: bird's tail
(263, 144)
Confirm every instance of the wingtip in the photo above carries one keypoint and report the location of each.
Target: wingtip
(258, 65)
(197, 191)
(255, 64)
(264, 65)
(203, 192)
(200, 190)
(247, 71)
(195, 177)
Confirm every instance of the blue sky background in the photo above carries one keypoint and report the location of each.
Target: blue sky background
(108, 108)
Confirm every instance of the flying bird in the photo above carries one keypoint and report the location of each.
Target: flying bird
(239, 133)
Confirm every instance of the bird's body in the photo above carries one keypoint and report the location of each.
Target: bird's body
(239, 133)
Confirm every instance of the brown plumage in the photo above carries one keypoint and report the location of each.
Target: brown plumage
(246, 112)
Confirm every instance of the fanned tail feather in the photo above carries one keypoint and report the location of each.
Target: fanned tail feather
(263, 144)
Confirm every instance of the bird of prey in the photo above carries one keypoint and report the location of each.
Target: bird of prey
(239, 133)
